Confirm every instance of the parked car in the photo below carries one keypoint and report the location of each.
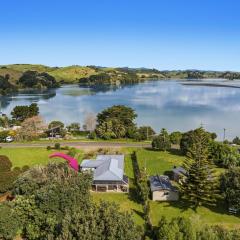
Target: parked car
(9, 139)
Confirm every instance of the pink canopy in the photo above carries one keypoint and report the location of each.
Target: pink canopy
(72, 162)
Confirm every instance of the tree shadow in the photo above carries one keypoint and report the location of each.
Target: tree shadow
(140, 214)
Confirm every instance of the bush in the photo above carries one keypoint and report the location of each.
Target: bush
(57, 146)
(92, 135)
(5, 164)
(8, 223)
(49, 148)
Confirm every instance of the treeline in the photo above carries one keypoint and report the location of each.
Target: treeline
(29, 79)
(110, 78)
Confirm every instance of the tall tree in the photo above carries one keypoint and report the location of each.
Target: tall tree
(230, 187)
(20, 113)
(162, 141)
(199, 186)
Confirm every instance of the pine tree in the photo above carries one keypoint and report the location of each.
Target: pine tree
(199, 186)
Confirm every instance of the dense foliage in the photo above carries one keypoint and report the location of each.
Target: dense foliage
(54, 202)
(144, 133)
(230, 187)
(7, 174)
(183, 229)
(116, 122)
(175, 137)
(33, 79)
(186, 141)
(5, 86)
(20, 113)
(162, 141)
(223, 155)
(9, 223)
(199, 186)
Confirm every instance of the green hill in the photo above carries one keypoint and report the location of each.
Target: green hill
(71, 74)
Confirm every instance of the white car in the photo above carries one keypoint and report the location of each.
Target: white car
(9, 139)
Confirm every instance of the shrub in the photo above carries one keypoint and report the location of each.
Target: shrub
(49, 148)
(57, 146)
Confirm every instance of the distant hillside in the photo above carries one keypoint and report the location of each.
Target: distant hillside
(71, 74)
(95, 75)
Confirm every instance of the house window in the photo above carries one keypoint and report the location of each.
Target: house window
(166, 193)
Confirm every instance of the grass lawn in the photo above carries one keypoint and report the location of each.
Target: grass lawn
(31, 156)
(158, 162)
(202, 215)
(122, 199)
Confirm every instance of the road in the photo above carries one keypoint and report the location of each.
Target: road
(76, 144)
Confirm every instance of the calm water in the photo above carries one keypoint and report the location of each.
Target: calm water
(160, 104)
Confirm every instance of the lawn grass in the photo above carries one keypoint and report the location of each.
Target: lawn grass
(32, 156)
(158, 162)
(203, 215)
(125, 204)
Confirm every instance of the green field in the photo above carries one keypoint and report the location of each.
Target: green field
(31, 156)
(155, 162)
(158, 162)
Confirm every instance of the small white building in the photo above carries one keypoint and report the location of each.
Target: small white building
(162, 189)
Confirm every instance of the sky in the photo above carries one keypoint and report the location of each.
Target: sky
(162, 34)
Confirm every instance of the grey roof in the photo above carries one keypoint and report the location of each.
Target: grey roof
(89, 163)
(179, 170)
(160, 183)
(107, 167)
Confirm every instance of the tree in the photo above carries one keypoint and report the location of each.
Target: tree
(177, 228)
(9, 223)
(54, 202)
(5, 86)
(33, 79)
(162, 141)
(230, 187)
(187, 139)
(73, 127)
(223, 155)
(31, 128)
(20, 113)
(236, 140)
(145, 133)
(199, 185)
(120, 117)
(175, 137)
(7, 175)
(3, 136)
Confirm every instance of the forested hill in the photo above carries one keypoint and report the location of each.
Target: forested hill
(17, 76)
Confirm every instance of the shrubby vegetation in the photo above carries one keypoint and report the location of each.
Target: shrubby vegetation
(116, 122)
(162, 141)
(20, 113)
(5, 86)
(7, 174)
(34, 79)
(54, 202)
(230, 187)
(183, 229)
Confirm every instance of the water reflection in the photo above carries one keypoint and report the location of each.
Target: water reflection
(160, 104)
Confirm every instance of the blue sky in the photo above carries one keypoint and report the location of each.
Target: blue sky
(164, 34)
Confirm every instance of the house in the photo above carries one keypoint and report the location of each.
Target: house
(108, 173)
(178, 172)
(162, 189)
